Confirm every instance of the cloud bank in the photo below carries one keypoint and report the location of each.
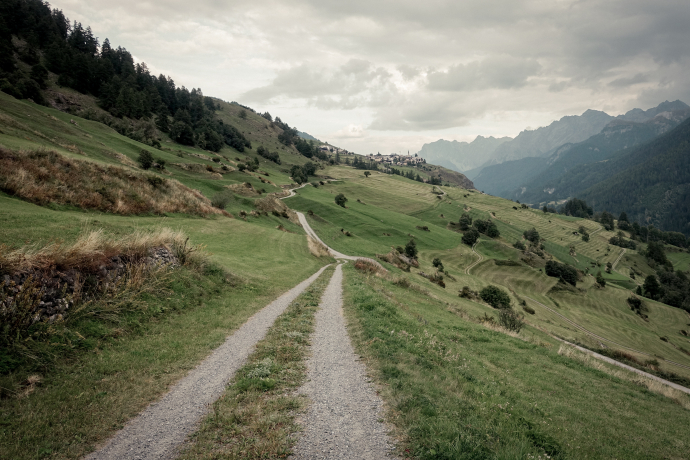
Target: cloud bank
(407, 69)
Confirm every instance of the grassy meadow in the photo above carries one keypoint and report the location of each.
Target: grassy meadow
(455, 384)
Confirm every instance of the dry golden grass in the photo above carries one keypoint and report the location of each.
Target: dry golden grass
(88, 251)
(623, 374)
(317, 248)
(44, 176)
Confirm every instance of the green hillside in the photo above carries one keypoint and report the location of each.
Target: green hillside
(383, 211)
(458, 380)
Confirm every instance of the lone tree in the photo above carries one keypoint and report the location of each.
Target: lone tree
(411, 249)
(600, 279)
(145, 159)
(465, 221)
(470, 236)
(438, 264)
(532, 235)
(367, 174)
(340, 200)
(652, 288)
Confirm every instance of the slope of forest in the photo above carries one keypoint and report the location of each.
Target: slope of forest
(650, 183)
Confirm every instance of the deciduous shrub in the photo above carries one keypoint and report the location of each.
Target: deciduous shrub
(510, 319)
(468, 293)
(532, 235)
(340, 199)
(495, 296)
(438, 264)
(411, 249)
(470, 236)
(145, 159)
(565, 272)
(528, 309)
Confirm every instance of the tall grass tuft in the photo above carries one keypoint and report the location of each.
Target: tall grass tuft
(87, 252)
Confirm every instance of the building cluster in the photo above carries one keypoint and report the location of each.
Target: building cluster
(332, 149)
(395, 159)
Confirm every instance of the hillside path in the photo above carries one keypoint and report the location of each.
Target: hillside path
(473, 264)
(162, 427)
(625, 366)
(307, 228)
(598, 337)
(342, 421)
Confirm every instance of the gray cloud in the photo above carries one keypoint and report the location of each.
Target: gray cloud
(500, 72)
(407, 65)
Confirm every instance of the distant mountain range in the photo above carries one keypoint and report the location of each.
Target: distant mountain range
(650, 182)
(471, 158)
(638, 162)
(528, 179)
(461, 156)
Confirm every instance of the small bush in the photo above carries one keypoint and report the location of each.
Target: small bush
(221, 200)
(145, 159)
(519, 245)
(528, 309)
(510, 319)
(532, 235)
(411, 249)
(468, 293)
(402, 282)
(340, 200)
(366, 266)
(438, 264)
(508, 263)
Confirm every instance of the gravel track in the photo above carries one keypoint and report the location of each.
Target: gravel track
(159, 430)
(342, 421)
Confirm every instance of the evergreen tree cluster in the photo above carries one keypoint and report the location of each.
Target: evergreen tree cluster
(575, 208)
(123, 88)
(621, 242)
(396, 172)
(647, 234)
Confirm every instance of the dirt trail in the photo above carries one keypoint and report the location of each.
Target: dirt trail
(598, 337)
(342, 422)
(476, 262)
(630, 368)
(161, 428)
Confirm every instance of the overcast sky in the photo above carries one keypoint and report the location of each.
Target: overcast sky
(388, 76)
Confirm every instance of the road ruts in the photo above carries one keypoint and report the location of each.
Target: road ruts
(162, 427)
(342, 421)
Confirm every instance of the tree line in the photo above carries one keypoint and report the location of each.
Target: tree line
(49, 42)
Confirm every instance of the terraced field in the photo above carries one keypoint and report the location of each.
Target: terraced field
(604, 312)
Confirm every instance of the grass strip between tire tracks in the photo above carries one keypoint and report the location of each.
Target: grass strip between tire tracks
(256, 416)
